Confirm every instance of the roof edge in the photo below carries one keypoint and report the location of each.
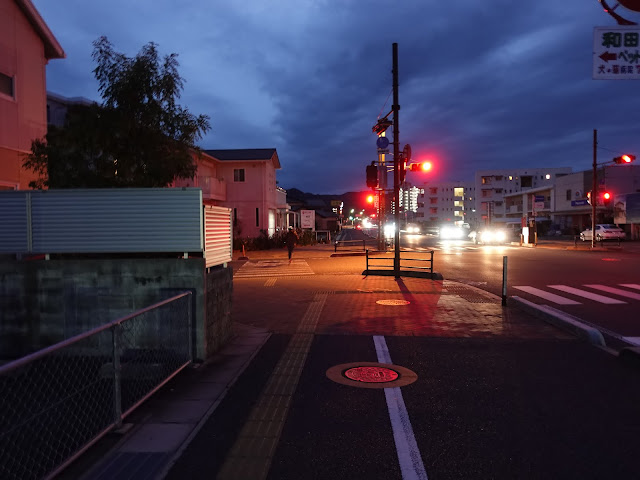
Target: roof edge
(52, 49)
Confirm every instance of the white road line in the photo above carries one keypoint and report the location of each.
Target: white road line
(616, 291)
(634, 340)
(591, 296)
(552, 297)
(409, 457)
(630, 285)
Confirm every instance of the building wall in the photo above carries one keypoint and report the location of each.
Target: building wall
(447, 202)
(492, 185)
(22, 118)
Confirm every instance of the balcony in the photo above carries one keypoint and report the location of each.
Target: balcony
(212, 188)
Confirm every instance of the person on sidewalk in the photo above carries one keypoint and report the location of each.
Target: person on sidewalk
(291, 239)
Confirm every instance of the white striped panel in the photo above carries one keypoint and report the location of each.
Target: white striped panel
(630, 285)
(634, 340)
(552, 297)
(616, 291)
(582, 293)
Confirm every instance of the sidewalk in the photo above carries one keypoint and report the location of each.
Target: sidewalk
(162, 430)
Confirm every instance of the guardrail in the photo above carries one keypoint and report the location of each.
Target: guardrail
(57, 402)
(409, 261)
(350, 244)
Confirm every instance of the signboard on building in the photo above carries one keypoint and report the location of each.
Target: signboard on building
(579, 203)
(616, 53)
(308, 219)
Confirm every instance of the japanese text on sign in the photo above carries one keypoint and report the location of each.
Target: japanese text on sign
(616, 53)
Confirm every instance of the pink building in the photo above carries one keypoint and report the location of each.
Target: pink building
(26, 46)
(245, 181)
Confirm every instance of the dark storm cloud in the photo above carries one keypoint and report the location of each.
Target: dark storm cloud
(483, 85)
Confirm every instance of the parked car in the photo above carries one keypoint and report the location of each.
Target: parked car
(604, 231)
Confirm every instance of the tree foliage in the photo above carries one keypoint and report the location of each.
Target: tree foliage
(138, 137)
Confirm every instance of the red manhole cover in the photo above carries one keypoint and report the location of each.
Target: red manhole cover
(393, 302)
(371, 374)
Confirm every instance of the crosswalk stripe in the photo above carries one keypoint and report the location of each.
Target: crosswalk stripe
(547, 296)
(634, 340)
(616, 291)
(273, 268)
(591, 296)
(630, 285)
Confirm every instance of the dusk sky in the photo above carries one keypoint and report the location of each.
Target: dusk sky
(482, 84)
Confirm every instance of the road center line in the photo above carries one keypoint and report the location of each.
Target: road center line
(409, 456)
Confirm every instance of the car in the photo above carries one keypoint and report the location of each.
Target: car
(452, 232)
(490, 235)
(604, 231)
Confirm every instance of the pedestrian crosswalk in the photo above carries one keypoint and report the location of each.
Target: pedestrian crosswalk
(585, 293)
(459, 248)
(273, 268)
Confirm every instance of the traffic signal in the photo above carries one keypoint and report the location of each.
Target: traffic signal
(589, 197)
(624, 159)
(369, 198)
(420, 167)
(403, 167)
(606, 198)
(381, 126)
(372, 175)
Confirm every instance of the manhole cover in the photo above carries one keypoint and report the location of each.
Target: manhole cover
(393, 302)
(371, 374)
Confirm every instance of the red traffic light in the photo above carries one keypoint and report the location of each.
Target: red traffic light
(420, 167)
(369, 198)
(624, 158)
(606, 196)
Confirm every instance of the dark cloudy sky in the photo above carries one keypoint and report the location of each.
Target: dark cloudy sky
(483, 84)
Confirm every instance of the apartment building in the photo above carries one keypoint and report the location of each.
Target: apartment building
(492, 186)
(447, 202)
(26, 46)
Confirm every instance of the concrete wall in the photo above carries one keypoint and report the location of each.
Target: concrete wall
(44, 302)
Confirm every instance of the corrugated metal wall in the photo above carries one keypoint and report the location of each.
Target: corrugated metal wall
(218, 235)
(102, 220)
(14, 222)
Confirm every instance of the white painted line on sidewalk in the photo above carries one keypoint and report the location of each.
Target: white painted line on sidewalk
(630, 285)
(409, 457)
(591, 296)
(552, 297)
(616, 291)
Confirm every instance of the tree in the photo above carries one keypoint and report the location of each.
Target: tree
(138, 137)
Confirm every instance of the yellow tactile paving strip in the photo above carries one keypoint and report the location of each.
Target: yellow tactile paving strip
(251, 455)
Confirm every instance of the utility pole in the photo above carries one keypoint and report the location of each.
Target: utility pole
(396, 163)
(594, 190)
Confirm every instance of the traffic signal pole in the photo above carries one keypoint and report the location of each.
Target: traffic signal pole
(396, 164)
(594, 190)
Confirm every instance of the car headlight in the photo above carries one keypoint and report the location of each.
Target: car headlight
(501, 236)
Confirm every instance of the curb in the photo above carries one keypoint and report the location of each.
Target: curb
(561, 320)
(630, 355)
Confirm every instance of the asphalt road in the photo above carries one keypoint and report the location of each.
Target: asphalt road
(535, 404)
(601, 287)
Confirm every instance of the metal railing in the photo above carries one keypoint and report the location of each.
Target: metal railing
(410, 260)
(57, 402)
(351, 245)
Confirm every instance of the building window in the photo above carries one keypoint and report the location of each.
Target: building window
(6, 85)
(433, 211)
(433, 191)
(433, 201)
(238, 174)
(257, 216)
(235, 217)
(569, 194)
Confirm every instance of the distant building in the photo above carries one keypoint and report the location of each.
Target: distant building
(26, 46)
(57, 107)
(446, 202)
(493, 185)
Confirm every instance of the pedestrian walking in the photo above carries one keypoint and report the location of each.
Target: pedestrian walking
(291, 239)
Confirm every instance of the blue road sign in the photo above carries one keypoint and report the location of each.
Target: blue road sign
(382, 142)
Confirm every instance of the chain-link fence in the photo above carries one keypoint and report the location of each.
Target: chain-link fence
(57, 402)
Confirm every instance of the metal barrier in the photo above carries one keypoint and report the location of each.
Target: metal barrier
(407, 263)
(350, 243)
(57, 402)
